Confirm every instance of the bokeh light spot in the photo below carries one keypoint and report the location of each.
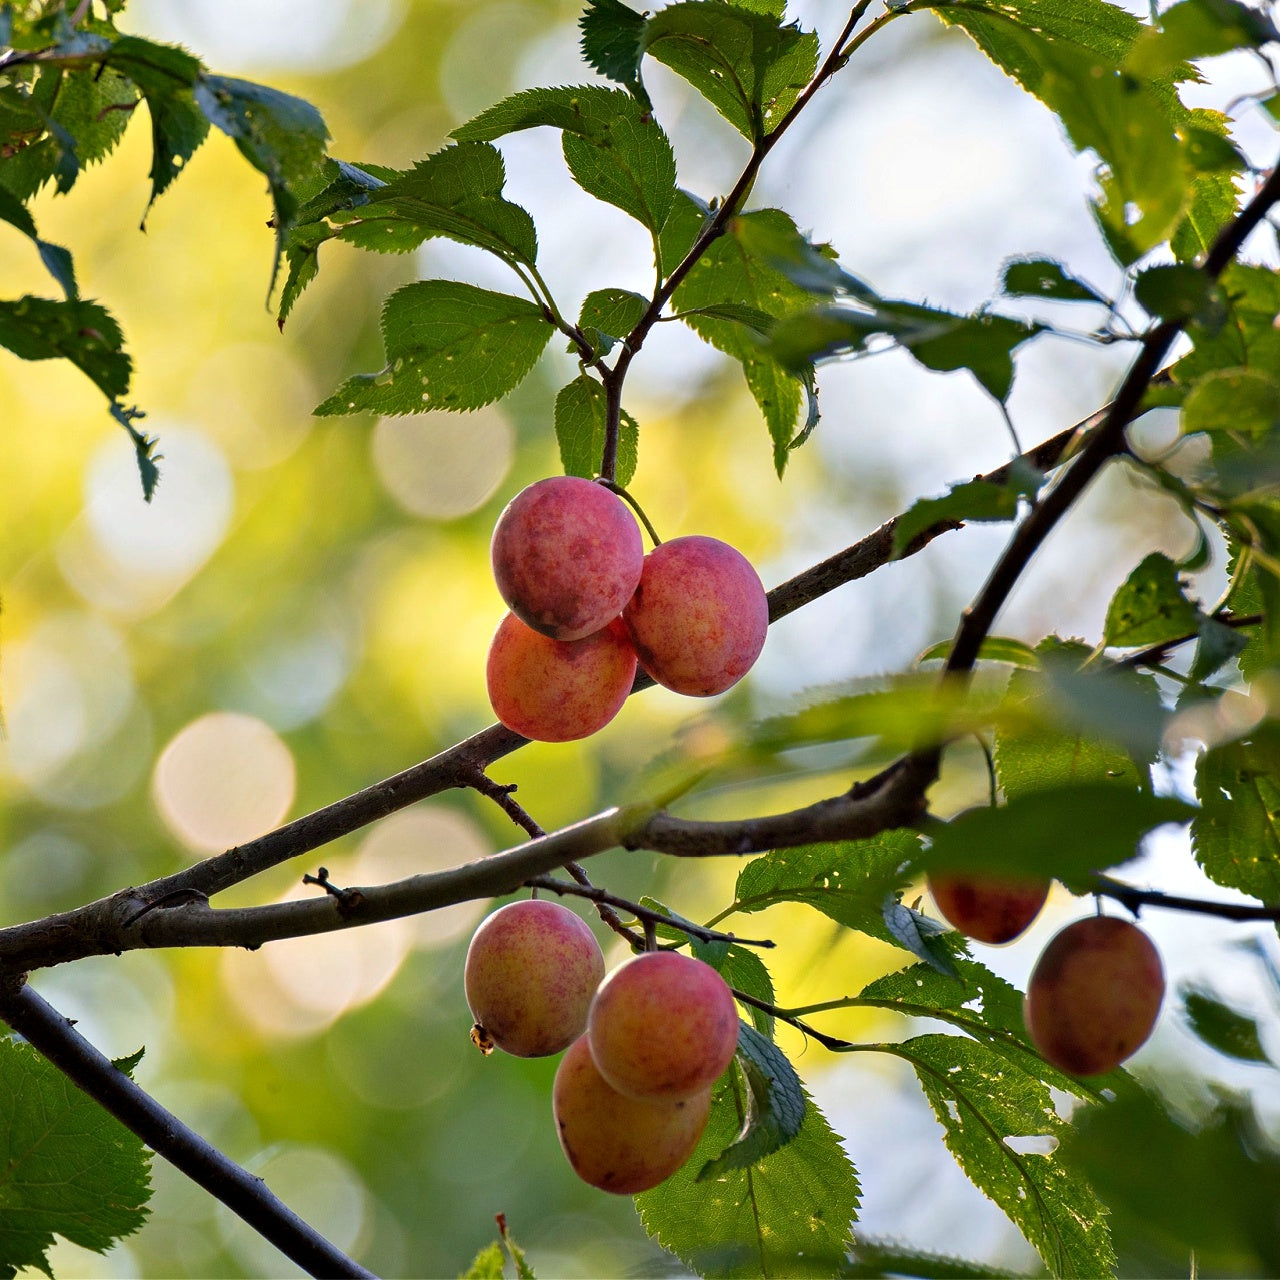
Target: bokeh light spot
(223, 779)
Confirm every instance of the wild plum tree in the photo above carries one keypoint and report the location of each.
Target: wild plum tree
(1085, 742)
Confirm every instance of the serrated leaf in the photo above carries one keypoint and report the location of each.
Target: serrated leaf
(457, 193)
(846, 881)
(981, 500)
(449, 346)
(615, 150)
(1064, 832)
(70, 1169)
(167, 76)
(775, 1105)
(1046, 278)
(1223, 1028)
(684, 224)
(744, 971)
(56, 259)
(82, 332)
(1216, 646)
(743, 61)
(580, 431)
(790, 1214)
(987, 1112)
(728, 273)
(1115, 703)
(810, 267)
(486, 1265)
(1236, 834)
(281, 136)
(1150, 606)
(612, 313)
(1215, 195)
(875, 1259)
(613, 41)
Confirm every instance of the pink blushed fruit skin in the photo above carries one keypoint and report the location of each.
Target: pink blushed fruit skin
(558, 690)
(566, 556)
(662, 1026)
(990, 909)
(531, 970)
(699, 617)
(1094, 995)
(620, 1144)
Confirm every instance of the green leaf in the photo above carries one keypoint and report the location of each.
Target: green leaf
(449, 346)
(775, 1105)
(986, 1007)
(1150, 606)
(1016, 653)
(846, 881)
(1178, 291)
(1176, 1189)
(1236, 834)
(1198, 29)
(684, 224)
(980, 500)
(1244, 401)
(744, 971)
(1216, 646)
(615, 150)
(743, 61)
(788, 1215)
(1247, 339)
(1115, 703)
(1045, 278)
(56, 259)
(613, 42)
(79, 331)
(1221, 1027)
(610, 314)
(457, 193)
(167, 76)
(730, 274)
(580, 430)
(875, 1259)
(813, 268)
(281, 136)
(1065, 832)
(487, 1264)
(70, 1169)
(988, 1113)
(1215, 194)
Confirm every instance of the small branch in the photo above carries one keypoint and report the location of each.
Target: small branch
(647, 914)
(501, 794)
(606, 913)
(834, 1043)
(1156, 653)
(249, 1197)
(636, 507)
(1133, 899)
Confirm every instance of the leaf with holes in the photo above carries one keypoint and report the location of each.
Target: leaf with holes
(1003, 1129)
(1150, 606)
(449, 346)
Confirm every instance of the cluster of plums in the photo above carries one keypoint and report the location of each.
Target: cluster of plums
(1096, 990)
(587, 603)
(645, 1044)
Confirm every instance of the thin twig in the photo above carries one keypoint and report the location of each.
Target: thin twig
(1134, 899)
(249, 1197)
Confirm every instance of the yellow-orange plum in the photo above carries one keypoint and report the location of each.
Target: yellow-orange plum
(1094, 995)
(620, 1144)
(558, 690)
(987, 908)
(699, 617)
(531, 970)
(566, 556)
(662, 1026)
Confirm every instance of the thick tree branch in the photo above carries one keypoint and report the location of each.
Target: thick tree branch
(249, 1197)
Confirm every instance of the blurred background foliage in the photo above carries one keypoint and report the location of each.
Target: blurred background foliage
(305, 607)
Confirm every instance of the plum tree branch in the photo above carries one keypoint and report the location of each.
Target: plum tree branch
(248, 1196)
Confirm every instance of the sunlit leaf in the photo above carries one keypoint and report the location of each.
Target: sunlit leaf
(76, 330)
(1223, 1028)
(1246, 401)
(1045, 278)
(1195, 29)
(1150, 606)
(449, 346)
(580, 430)
(70, 1169)
(1178, 291)
(972, 500)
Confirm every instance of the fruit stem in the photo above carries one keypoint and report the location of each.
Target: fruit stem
(614, 487)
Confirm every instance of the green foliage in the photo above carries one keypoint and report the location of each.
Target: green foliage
(580, 430)
(69, 1168)
(449, 346)
(1067, 832)
(988, 1111)
(775, 1105)
(608, 315)
(1223, 1028)
(742, 968)
(790, 1214)
(1150, 607)
(75, 330)
(973, 500)
(1045, 278)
